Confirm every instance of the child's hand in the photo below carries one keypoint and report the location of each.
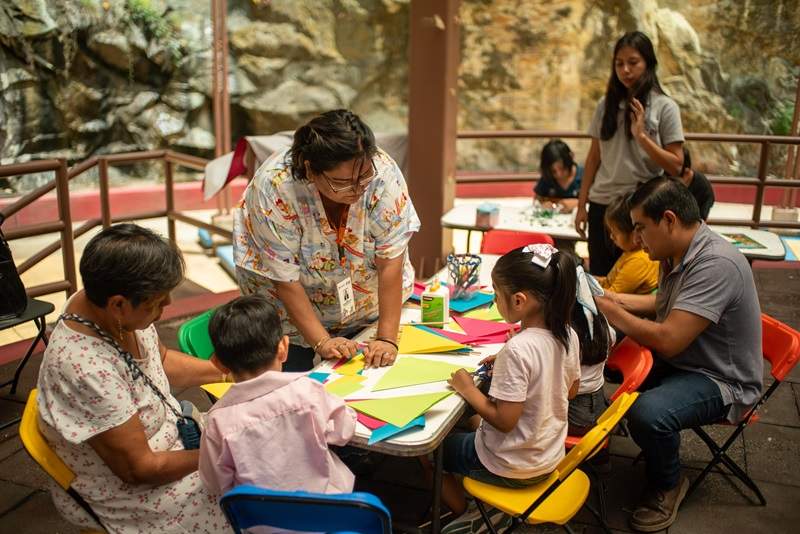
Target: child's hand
(461, 381)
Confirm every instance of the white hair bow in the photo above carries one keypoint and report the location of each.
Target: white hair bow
(542, 253)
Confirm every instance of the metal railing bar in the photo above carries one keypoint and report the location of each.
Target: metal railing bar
(224, 232)
(41, 165)
(574, 134)
(55, 246)
(82, 167)
(137, 216)
(193, 162)
(30, 230)
(49, 288)
(134, 157)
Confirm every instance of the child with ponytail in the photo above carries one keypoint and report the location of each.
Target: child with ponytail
(520, 439)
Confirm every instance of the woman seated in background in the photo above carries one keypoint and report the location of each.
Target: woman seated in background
(560, 180)
(105, 405)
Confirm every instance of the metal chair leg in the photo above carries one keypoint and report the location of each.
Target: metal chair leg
(486, 519)
(40, 336)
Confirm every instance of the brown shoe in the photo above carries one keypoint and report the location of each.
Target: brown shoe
(659, 509)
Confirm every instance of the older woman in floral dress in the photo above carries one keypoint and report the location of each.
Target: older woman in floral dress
(323, 231)
(105, 405)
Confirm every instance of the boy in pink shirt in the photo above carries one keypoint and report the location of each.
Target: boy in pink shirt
(271, 429)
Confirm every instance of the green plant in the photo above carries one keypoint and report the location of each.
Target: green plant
(156, 26)
(781, 123)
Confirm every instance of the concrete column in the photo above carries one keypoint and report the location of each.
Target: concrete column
(433, 105)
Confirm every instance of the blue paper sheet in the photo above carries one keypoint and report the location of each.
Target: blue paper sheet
(387, 431)
(461, 305)
(319, 377)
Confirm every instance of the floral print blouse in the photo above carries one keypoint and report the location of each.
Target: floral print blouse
(85, 388)
(281, 233)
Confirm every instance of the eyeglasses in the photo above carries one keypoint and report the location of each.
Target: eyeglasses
(360, 183)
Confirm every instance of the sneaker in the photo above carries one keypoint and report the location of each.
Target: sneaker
(471, 521)
(659, 508)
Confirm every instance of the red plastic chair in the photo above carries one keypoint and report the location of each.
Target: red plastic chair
(781, 347)
(502, 241)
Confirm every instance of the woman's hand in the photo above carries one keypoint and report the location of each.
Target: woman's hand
(637, 118)
(581, 220)
(337, 347)
(461, 381)
(379, 353)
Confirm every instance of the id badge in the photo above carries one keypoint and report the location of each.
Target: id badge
(347, 305)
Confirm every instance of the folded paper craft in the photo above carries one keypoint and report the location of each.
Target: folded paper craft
(481, 328)
(350, 367)
(399, 411)
(487, 314)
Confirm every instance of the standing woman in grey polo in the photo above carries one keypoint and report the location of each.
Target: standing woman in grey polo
(636, 135)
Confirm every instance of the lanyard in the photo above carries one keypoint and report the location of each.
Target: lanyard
(341, 231)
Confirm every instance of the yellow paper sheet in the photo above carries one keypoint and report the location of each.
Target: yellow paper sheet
(352, 367)
(217, 389)
(413, 371)
(345, 385)
(399, 411)
(415, 340)
(487, 314)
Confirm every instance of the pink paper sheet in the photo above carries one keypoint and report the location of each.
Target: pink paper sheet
(480, 328)
(369, 422)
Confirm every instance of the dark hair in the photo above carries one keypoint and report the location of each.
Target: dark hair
(128, 260)
(245, 333)
(687, 161)
(619, 214)
(616, 92)
(555, 150)
(330, 139)
(663, 193)
(554, 286)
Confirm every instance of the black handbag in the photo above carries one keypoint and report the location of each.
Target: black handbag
(13, 299)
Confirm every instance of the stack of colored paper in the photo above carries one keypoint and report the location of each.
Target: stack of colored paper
(409, 371)
(417, 340)
(399, 411)
(476, 300)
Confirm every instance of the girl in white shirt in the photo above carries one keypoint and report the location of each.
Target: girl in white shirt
(520, 439)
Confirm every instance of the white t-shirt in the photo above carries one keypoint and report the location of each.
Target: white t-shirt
(533, 368)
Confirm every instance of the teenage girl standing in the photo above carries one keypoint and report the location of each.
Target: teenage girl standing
(636, 135)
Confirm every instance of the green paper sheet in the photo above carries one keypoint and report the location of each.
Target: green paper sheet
(345, 385)
(487, 314)
(415, 340)
(399, 411)
(413, 371)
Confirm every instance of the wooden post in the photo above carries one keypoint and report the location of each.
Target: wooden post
(170, 194)
(219, 90)
(433, 106)
(64, 215)
(105, 205)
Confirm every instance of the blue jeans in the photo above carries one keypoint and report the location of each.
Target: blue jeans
(672, 400)
(461, 457)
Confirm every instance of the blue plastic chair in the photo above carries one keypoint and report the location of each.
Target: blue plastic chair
(250, 506)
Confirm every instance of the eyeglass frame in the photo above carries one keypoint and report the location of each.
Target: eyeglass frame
(354, 184)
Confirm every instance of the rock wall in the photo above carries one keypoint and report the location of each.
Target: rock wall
(83, 77)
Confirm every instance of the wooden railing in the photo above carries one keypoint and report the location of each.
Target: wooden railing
(760, 182)
(63, 175)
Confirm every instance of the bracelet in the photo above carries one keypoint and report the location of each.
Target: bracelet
(320, 342)
(389, 341)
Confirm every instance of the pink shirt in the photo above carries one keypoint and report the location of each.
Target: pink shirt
(273, 431)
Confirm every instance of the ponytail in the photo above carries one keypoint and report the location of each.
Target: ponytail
(558, 307)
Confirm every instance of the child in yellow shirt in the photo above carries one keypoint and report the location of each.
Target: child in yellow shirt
(634, 271)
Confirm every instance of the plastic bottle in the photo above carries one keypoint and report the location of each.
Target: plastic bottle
(436, 304)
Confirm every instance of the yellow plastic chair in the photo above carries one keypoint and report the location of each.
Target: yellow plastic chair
(48, 460)
(557, 499)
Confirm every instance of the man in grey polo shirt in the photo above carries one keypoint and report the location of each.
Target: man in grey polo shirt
(706, 338)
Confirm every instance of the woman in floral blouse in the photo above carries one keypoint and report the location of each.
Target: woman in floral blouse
(323, 232)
